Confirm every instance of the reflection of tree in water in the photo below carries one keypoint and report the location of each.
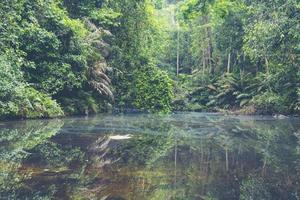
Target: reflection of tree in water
(247, 149)
(16, 142)
(213, 159)
(184, 156)
(116, 166)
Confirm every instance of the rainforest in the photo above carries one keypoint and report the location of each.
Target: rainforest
(150, 99)
(81, 57)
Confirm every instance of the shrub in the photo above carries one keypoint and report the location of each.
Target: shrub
(84, 103)
(18, 100)
(226, 89)
(269, 102)
(154, 90)
(29, 103)
(254, 188)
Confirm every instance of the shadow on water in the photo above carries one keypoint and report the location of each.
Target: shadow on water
(142, 156)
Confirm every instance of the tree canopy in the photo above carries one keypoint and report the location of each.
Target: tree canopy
(65, 57)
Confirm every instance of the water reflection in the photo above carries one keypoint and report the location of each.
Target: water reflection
(180, 156)
(17, 139)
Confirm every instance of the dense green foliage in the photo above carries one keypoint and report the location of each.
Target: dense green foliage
(98, 55)
(245, 54)
(153, 90)
(19, 100)
(68, 50)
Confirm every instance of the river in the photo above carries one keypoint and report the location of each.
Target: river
(182, 156)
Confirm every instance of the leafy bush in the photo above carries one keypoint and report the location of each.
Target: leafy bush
(29, 103)
(268, 103)
(226, 89)
(191, 95)
(154, 90)
(18, 100)
(254, 188)
(84, 103)
(10, 76)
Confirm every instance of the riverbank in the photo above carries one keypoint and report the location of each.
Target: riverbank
(250, 111)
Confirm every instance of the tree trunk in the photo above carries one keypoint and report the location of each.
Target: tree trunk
(227, 162)
(175, 160)
(267, 65)
(177, 59)
(228, 63)
(209, 51)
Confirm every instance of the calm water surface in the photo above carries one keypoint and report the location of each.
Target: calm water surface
(184, 156)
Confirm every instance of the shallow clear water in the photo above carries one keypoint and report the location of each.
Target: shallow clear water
(136, 156)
